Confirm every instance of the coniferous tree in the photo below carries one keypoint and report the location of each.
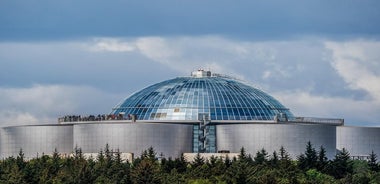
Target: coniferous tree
(302, 163)
(287, 168)
(372, 162)
(285, 161)
(309, 159)
(229, 174)
(55, 162)
(274, 161)
(82, 172)
(20, 160)
(77, 169)
(100, 169)
(165, 165)
(242, 155)
(219, 167)
(284, 154)
(180, 164)
(44, 169)
(311, 156)
(30, 171)
(147, 170)
(108, 154)
(341, 165)
(198, 161)
(151, 154)
(120, 171)
(322, 160)
(237, 172)
(172, 177)
(238, 169)
(212, 161)
(16, 176)
(261, 157)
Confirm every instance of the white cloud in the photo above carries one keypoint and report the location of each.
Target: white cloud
(157, 49)
(359, 112)
(358, 63)
(113, 45)
(14, 117)
(44, 103)
(184, 54)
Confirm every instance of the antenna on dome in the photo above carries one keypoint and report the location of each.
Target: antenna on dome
(201, 73)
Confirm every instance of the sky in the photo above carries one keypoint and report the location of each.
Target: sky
(319, 58)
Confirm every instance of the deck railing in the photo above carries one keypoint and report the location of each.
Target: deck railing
(331, 121)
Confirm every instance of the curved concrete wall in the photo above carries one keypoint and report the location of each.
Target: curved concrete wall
(294, 137)
(36, 140)
(169, 139)
(359, 141)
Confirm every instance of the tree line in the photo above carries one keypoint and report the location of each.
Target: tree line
(312, 166)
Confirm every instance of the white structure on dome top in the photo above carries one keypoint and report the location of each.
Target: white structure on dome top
(201, 73)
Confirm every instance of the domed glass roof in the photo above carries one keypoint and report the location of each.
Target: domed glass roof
(186, 98)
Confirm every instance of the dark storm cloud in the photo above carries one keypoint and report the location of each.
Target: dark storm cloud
(52, 20)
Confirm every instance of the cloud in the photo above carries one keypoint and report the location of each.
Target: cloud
(184, 54)
(14, 118)
(113, 45)
(41, 104)
(358, 63)
(295, 64)
(355, 112)
(158, 49)
(314, 77)
(264, 62)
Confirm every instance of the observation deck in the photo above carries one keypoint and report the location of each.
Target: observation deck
(111, 118)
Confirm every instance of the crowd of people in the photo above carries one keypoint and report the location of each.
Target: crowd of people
(99, 117)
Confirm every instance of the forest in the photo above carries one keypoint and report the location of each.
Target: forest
(312, 166)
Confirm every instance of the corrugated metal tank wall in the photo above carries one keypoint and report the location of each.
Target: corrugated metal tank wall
(293, 137)
(169, 139)
(359, 141)
(36, 140)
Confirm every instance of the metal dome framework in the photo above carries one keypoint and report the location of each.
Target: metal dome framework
(186, 98)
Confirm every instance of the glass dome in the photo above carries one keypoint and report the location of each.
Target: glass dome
(187, 98)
